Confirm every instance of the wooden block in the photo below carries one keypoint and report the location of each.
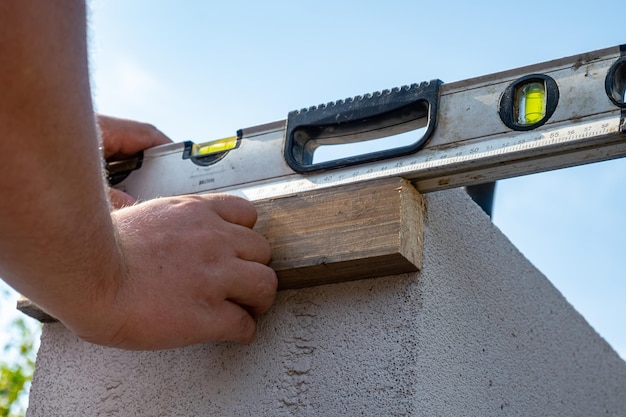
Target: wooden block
(363, 230)
(356, 231)
(33, 310)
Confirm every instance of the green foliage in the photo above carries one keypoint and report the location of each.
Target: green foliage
(15, 376)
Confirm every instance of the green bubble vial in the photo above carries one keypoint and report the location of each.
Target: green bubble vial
(530, 102)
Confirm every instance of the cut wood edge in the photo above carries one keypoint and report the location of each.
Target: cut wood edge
(356, 231)
(33, 310)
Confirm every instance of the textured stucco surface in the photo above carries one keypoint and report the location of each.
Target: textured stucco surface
(479, 331)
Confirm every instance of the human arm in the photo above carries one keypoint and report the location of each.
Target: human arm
(162, 274)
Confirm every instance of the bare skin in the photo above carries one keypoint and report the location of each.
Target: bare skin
(121, 139)
(161, 274)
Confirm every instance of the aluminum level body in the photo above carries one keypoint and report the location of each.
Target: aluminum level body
(468, 142)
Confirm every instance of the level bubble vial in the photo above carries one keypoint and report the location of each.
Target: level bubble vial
(214, 146)
(529, 102)
(208, 153)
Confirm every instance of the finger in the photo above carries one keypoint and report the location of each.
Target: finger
(120, 199)
(233, 209)
(249, 245)
(123, 138)
(236, 324)
(253, 287)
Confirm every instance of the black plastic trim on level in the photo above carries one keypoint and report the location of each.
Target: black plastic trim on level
(346, 120)
(118, 171)
(615, 82)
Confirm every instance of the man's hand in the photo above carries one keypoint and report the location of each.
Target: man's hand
(165, 273)
(195, 269)
(195, 272)
(122, 138)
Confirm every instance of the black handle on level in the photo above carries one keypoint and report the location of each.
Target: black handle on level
(358, 119)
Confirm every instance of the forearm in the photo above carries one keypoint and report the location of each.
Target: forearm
(182, 270)
(57, 242)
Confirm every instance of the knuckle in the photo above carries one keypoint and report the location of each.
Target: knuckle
(267, 285)
(246, 329)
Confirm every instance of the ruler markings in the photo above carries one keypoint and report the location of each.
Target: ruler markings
(473, 152)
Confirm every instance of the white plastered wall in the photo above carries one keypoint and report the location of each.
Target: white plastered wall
(479, 331)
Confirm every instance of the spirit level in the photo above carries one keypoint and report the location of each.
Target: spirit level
(540, 117)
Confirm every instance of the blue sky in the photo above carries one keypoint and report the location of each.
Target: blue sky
(201, 70)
